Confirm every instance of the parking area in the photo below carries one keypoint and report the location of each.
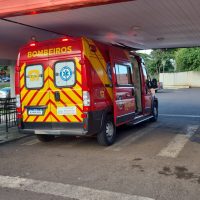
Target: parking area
(158, 160)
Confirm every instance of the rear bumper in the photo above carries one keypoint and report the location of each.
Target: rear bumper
(54, 128)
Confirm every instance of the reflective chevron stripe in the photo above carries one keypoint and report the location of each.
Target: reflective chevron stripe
(45, 96)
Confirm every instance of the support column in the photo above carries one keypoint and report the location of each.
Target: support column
(12, 80)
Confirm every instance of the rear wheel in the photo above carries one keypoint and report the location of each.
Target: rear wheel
(108, 134)
(155, 112)
(45, 138)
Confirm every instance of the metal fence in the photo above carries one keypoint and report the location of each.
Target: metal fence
(8, 113)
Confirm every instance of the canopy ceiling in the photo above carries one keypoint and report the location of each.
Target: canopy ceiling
(141, 24)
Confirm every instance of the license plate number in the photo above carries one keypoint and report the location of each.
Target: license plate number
(35, 112)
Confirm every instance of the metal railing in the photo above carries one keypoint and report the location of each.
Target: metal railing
(8, 113)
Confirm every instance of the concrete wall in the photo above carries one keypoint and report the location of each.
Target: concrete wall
(180, 79)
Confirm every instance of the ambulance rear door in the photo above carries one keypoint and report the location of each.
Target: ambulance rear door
(65, 90)
(34, 89)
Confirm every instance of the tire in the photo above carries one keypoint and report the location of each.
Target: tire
(108, 134)
(45, 138)
(154, 112)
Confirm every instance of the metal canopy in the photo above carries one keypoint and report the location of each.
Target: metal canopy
(141, 24)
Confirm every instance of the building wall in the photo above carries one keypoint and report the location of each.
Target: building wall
(180, 79)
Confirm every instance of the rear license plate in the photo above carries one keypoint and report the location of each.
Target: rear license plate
(35, 111)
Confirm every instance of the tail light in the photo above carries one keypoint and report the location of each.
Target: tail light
(86, 98)
(18, 103)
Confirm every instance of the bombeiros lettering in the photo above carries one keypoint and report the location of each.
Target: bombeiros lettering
(49, 52)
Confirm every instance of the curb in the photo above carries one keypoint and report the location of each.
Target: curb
(14, 139)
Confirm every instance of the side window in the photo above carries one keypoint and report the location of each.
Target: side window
(65, 74)
(144, 70)
(34, 76)
(123, 74)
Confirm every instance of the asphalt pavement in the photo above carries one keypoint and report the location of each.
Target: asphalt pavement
(150, 161)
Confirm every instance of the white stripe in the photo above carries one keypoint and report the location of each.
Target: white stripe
(176, 145)
(32, 142)
(64, 190)
(130, 139)
(175, 115)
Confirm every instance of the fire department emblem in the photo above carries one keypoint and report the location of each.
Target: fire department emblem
(65, 73)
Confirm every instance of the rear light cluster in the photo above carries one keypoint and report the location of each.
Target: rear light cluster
(18, 103)
(18, 106)
(86, 98)
(86, 101)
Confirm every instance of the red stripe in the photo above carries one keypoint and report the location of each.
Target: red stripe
(64, 115)
(71, 100)
(36, 118)
(22, 87)
(77, 118)
(79, 84)
(66, 118)
(47, 117)
(32, 97)
(78, 70)
(26, 119)
(21, 77)
(77, 94)
(63, 102)
(46, 80)
(55, 117)
(49, 77)
(41, 98)
(25, 95)
(52, 103)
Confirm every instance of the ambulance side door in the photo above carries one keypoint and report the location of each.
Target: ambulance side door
(123, 88)
(147, 96)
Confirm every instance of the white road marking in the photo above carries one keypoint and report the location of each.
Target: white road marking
(130, 139)
(32, 142)
(175, 115)
(177, 144)
(64, 190)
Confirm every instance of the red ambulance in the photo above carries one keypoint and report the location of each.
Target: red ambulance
(81, 87)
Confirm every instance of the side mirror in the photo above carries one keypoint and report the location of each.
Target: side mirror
(154, 83)
(149, 83)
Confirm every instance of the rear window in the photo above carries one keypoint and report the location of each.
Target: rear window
(65, 74)
(34, 76)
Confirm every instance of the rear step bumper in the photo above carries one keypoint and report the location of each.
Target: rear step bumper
(75, 132)
(54, 128)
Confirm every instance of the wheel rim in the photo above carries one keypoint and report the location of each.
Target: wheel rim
(109, 130)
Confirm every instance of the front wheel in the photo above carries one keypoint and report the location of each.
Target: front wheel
(155, 112)
(45, 138)
(108, 134)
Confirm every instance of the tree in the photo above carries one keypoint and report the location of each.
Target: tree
(188, 59)
(159, 60)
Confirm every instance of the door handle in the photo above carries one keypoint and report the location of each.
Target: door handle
(57, 96)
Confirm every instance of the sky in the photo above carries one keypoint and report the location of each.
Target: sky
(147, 51)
